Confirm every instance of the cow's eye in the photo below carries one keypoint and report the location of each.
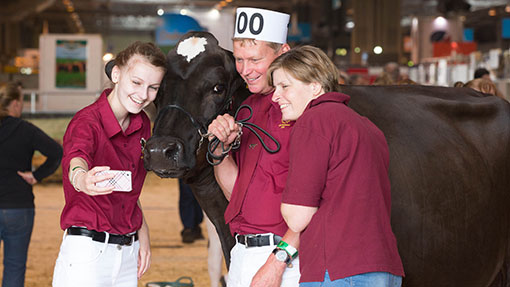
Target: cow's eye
(219, 88)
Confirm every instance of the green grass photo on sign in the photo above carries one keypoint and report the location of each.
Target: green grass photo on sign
(71, 64)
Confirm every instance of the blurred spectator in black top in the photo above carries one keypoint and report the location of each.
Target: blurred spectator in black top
(18, 141)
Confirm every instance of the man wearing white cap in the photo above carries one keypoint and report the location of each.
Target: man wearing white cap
(252, 178)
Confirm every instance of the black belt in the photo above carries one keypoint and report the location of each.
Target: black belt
(101, 236)
(257, 240)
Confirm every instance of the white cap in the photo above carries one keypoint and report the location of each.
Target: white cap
(261, 24)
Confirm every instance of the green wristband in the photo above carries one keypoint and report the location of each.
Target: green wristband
(77, 167)
(291, 250)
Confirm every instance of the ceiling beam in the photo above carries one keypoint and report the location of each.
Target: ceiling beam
(16, 11)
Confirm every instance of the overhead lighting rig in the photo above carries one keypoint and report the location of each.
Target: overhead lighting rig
(72, 13)
(222, 4)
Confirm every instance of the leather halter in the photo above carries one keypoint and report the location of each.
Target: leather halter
(201, 127)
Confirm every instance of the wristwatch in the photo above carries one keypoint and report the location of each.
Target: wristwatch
(282, 256)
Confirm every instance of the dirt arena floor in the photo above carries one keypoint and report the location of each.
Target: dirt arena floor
(171, 259)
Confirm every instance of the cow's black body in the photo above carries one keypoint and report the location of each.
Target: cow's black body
(449, 169)
(450, 180)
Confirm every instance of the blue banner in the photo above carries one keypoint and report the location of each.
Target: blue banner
(173, 27)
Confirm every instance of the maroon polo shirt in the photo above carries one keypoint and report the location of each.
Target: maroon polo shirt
(254, 206)
(95, 135)
(339, 163)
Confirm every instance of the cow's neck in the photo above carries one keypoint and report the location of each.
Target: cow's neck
(203, 177)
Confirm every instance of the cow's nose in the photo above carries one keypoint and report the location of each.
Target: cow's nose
(172, 150)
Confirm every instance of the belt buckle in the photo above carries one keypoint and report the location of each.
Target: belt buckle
(127, 240)
(256, 237)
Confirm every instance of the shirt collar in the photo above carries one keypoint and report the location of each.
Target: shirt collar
(109, 121)
(330, 97)
(269, 97)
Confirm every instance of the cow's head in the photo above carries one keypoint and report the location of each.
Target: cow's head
(201, 82)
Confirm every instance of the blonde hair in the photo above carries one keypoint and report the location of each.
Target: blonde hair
(245, 42)
(8, 93)
(307, 64)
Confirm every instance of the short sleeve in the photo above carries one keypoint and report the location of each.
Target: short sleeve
(80, 141)
(309, 160)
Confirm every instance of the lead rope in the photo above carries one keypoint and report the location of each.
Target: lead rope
(215, 142)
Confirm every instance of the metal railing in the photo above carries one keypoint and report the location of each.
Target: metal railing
(37, 102)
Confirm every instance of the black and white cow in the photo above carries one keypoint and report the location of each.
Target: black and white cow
(449, 164)
(201, 82)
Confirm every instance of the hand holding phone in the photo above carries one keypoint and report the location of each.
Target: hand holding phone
(120, 182)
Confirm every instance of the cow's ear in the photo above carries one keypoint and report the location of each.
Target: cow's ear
(108, 68)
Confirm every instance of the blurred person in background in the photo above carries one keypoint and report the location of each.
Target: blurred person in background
(384, 80)
(343, 78)
(484, 86)
(191, 214)
(389, 76)
(458, 84)
(19, 140)
(358, 80)
(393, 71)
(482, 73)
(406, 81)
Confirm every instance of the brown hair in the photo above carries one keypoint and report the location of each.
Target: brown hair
(307, 64)
(244, 41)
(145, 49)
(8, 93)
(483, 85)
(384, 80)
(458, 84)
(406, 81)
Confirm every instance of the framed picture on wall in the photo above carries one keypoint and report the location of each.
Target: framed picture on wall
(71, 64)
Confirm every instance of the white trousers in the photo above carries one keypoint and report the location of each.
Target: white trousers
(245, 262)
(83, 262)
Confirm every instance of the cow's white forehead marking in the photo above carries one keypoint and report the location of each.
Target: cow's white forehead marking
(191, 47)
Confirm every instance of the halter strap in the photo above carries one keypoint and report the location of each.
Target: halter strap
(201, 128)
(215, 142)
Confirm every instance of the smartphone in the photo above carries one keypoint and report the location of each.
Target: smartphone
(120, 182)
